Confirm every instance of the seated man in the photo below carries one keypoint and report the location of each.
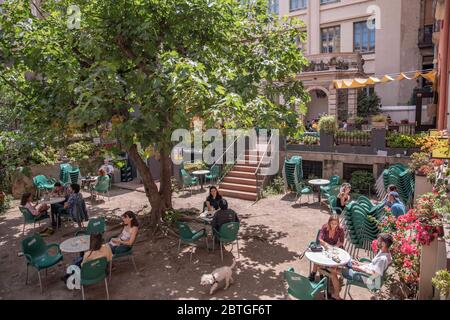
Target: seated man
(390, 188)
(224, 215)
(76, 205)
(56, 208)
(376, 268)
(397, 207)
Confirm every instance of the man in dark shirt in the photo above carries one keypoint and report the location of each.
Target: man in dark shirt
(224, 215)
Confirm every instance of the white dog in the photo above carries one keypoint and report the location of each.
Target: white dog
(220, 274)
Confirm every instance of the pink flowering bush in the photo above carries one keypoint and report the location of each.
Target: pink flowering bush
(418, 227)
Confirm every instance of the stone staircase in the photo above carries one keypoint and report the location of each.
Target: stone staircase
(241, 181)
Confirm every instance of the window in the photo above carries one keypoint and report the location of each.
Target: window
(331, 39)
(297, 4)
(274, 6)
(363, 37)
(328, 1)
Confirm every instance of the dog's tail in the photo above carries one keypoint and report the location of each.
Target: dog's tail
(233, 264)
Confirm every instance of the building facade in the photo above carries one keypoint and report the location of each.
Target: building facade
(362, 38)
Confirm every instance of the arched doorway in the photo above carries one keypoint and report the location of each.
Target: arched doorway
(318, 104)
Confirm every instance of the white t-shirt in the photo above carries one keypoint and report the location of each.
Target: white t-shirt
(108, 168)
(380, 263)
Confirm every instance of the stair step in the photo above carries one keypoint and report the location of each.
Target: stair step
(252, 163)
(242, 174)
(242, 181)
(238, 187)
(244, 168)
(251, 196)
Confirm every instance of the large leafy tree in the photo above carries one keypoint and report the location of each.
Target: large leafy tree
(149, 67)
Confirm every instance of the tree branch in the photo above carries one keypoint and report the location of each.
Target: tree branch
(128, 52)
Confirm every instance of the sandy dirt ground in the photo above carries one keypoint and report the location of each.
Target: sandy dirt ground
(273, 233)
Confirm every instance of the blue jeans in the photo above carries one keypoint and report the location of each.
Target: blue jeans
(119, 249)
(349, 274)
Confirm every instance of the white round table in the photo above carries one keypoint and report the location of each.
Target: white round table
(54, 200)
(201, 174)
(319, 183)
(76, 244)
(325, 258)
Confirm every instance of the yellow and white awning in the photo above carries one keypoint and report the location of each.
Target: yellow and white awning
(364, 82)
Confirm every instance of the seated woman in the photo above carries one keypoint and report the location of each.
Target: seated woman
(128, 235)
(97, 249)
(35, 209)
(333, 235)
(102, 178)
(212, 201)
(343, 197)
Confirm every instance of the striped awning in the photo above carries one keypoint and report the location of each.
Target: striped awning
(364, 82)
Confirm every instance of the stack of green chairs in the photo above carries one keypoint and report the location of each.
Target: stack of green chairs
(403, 178)
(361, 224)
(293, 172)
(64, 169)
(74, 175)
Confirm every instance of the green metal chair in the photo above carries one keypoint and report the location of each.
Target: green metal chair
(228, 233)
(334, 181)
(93, 272)
(214, 174)
(188, 180)
(302, 189)
(334, 209)
(37, 255)
(301, 288)
(102, 186)
(28, 218)
(190, 237)
(95, 225)
(41, 182)
(128, 252)
(376, 286)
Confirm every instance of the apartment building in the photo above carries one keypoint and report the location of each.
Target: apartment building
(352, 38)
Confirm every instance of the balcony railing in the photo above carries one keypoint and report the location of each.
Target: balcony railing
(426, 36)
(335, 62)
(353, 138)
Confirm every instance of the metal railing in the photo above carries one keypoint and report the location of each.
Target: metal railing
(354, 138)
(228, 166)
(260, 187)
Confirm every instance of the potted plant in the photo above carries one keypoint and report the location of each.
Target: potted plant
(359, 121)
(441, 281)
(328, 124)
(379, 121)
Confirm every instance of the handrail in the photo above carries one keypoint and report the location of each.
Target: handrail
(232, 144)
(265, 152)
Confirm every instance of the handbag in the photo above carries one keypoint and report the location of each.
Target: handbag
(314, 247)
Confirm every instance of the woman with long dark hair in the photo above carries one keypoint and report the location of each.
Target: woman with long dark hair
(213, 199)
(127, 237)
(35, 209)
(97, 249)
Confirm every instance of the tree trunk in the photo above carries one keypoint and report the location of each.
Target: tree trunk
(165, 189)
(156, 200)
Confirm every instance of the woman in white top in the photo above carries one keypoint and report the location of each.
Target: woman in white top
(128, 235)
(35, 209)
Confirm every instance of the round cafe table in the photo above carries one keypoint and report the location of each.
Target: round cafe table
(201, 175)
(319, 183)
(75, 244)
(54, 200)
(325, 258)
